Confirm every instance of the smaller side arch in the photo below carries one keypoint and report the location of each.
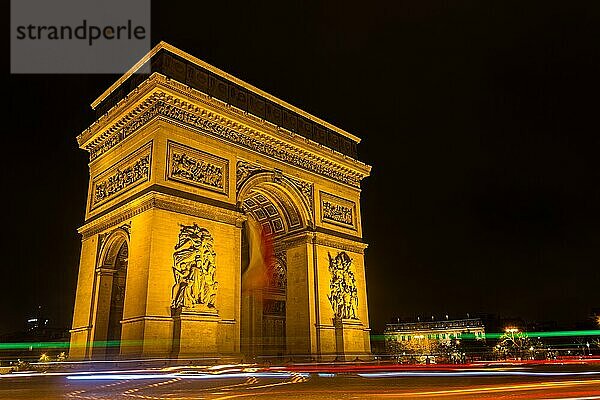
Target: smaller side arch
(109, 294)
(111, 246)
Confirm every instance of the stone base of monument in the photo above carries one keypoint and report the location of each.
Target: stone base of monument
(195, 332)
(349, 339)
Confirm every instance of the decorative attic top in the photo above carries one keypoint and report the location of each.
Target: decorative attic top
(185, 68)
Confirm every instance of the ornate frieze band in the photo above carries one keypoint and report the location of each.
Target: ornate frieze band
(338, 211)
(128, 173)
(165, 106)
(197, 168)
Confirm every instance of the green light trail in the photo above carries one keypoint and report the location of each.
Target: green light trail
(65, 345)
(118, 343)
(497, 335)
(551, 334)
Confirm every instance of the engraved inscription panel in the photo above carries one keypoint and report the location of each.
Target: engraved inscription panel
(197, 168)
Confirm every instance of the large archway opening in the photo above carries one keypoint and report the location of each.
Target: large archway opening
(274, 213)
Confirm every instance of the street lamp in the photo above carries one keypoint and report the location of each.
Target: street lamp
(588, 346)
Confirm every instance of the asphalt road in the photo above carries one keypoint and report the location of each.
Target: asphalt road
(492, 383)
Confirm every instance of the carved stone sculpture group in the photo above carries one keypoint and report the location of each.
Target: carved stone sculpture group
(343, 294)
(337, 213)
(195, 170)
(121, 179)
(194, 267)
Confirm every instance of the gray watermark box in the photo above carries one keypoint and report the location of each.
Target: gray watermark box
(78, 36)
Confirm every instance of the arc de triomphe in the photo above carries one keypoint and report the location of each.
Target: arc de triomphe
(182, 157)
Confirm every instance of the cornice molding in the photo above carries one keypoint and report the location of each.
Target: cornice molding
(337, 242)
(294, 240)
(201, 210)
(105, 271)
(80, 329)
(154, 200)
(116, 217)
(319, 238)
(160, 98)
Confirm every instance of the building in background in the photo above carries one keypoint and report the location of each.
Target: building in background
(428, 341)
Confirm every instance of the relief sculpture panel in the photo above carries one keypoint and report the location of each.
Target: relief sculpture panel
(338, 211)
(343, 294)
(130, 172)
(197, 168)
(194, 268)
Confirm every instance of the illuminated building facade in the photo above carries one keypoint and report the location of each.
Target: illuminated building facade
(183, 157)
(424, 337)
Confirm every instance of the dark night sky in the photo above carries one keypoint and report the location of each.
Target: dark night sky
(480, 120)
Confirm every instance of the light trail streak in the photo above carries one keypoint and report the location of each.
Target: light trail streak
(117, 376)
(494, 389)
(125, 343)
(27, 374)
(135, 392)
(172, 378)
(80, 394)
(363, 367)
(325, 375)
(544, 334)
(471, 373)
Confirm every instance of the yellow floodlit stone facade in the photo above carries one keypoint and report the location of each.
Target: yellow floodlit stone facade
(182, 155)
